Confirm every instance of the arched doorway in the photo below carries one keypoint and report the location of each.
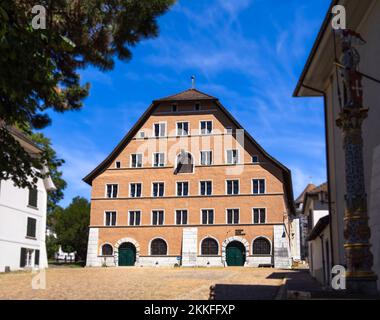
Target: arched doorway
(235, 254)
(127, 254)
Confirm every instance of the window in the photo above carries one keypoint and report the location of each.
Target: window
(197, 106)
(26, 257)
(134, 218)
(157, 217)
(207, 216)
(258, 186)
(107, 250)
(209, 247)
(206, 158)
(182, 128)
(142, 134)
(31, 228)
(136, 160)
(159, 129)
(110, 218)
(158, 189)
(261, 246)
(206, 127)
(232, 187)
(182, 189)
(174, 108)
(181, 216)
(135, 190)
(229, 130)
(33, 195)
(232, 156)
(158, 159)
(259, 216)
(112, 190)
(117, 164)
(206, 188)
(184, 163)
(232, 216)
(158, 247)
(255, 159)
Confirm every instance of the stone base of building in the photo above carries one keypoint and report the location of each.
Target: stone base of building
(279, 256)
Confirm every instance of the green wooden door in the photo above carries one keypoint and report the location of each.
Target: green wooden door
(235, 254)
(127, 254)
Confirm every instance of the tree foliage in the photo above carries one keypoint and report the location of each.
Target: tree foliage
(39, 68)
(71, 226)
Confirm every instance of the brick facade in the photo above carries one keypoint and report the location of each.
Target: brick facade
(275, 200)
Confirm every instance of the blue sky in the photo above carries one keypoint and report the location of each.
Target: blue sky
(248, 53)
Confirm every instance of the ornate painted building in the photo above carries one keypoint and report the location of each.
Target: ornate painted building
(350, 88)
(188, 186)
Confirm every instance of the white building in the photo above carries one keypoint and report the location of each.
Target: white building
(23, 220)
(315, 208)
(319, 79)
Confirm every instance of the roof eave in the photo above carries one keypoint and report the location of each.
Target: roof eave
(314, 50)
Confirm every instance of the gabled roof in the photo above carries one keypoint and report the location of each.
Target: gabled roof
(323, 188)
(190, 94)
(308, 188)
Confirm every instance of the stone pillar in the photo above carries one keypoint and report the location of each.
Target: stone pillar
(281, 251)
(92, 248)
(189, 247)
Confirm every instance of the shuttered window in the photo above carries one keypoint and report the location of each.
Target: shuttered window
(33, 197)
(31, 228)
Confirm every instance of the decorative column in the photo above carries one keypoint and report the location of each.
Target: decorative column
(359, 276)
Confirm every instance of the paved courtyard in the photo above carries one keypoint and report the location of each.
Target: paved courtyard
(145, 283)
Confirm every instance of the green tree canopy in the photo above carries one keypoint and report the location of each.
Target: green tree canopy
(71, 226)
(39, 68)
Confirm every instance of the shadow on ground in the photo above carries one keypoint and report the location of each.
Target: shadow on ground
(244, 292)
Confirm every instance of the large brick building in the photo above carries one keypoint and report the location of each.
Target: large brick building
(188, 186)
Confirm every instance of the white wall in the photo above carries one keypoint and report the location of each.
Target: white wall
(14, 213)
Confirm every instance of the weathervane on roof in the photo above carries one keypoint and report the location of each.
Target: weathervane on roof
(192, 82)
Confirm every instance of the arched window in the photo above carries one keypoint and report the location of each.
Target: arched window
(209, 247)
(261, 246)
(158, 247)
(184, 163)
(107, 250)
